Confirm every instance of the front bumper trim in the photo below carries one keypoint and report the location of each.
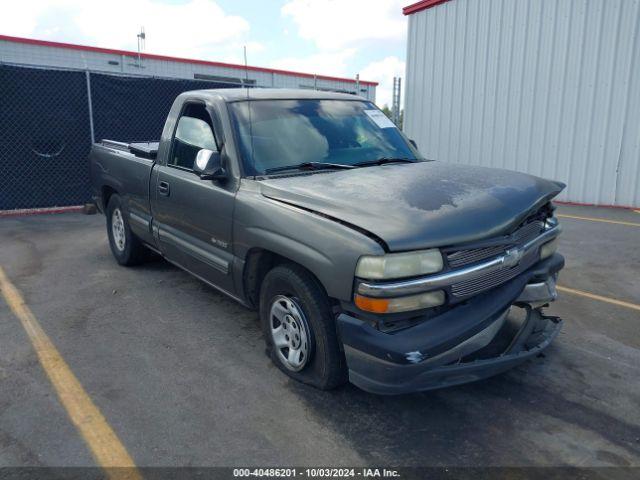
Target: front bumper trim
(401, 379)
(470, 345)
(471, 341)
(538, 294)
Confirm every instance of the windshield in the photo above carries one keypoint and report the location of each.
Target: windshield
(276, 134)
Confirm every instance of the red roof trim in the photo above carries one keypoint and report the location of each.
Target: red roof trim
(422, 5)
(152, 56)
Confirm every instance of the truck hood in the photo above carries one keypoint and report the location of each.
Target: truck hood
(418, 205)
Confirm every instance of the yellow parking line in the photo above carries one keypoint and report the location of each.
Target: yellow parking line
(600, 298)
(604, 220)
(99, 436)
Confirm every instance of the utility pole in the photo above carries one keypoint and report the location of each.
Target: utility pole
(141, 40)
(395, 105)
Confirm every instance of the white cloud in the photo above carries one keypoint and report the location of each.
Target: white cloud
(343, 31)
(198, 28)
(339, 26)
(383, 71)
(326, 63)
(334, 24)
(339, 64)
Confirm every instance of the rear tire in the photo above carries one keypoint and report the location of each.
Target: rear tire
(300, 329)
(125, 246)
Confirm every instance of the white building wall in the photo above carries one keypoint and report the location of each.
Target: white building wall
(548, 87)
(17, 53)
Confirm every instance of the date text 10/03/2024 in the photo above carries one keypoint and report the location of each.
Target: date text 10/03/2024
(317, 472)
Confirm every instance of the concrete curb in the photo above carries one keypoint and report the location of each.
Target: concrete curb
(578, 204)
(40, 211)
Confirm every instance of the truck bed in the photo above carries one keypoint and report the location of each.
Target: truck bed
(139, 149)
(125, 168)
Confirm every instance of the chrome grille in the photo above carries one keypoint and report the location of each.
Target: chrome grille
(473, 255)
(492, 279)
(461, 258)
(528, 232)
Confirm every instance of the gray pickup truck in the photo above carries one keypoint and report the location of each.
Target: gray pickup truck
(366, 261)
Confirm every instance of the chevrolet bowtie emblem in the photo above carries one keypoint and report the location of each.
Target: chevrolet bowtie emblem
(513, 256)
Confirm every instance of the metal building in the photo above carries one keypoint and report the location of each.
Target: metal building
(549, 87)
(30, 52)
(56, 99)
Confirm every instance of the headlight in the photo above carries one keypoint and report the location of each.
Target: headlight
(399, 265)
(548, 249)
(400, 304)
(550, 223)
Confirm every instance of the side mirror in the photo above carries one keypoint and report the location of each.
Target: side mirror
(413, 142)
(208, 165)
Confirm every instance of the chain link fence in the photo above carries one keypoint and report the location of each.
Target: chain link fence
(46, 121)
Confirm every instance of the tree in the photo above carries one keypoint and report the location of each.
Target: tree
(387, 111)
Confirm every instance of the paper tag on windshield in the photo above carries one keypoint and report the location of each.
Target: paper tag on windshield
(380, 119)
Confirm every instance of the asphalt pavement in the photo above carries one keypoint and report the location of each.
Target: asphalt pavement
(180, 374)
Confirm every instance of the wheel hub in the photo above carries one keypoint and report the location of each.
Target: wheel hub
(117, 229)
(289, 332)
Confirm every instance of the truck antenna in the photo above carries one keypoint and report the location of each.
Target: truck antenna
(246, 85)
(246, 68)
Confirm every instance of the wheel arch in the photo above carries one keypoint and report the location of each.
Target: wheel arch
(258, 262)
(106, 192)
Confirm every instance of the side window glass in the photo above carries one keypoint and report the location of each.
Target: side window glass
(192, 135)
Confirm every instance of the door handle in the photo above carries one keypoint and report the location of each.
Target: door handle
(163, 188)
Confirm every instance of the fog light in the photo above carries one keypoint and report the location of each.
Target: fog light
(400, 304)
(548, 249)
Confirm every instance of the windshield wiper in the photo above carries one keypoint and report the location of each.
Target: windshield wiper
(309, 166)
(385, 160)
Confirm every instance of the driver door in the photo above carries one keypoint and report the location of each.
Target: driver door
(194, 216)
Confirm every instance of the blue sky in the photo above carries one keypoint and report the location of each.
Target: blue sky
(331, 37)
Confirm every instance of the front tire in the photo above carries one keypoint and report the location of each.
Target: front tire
(125, 246)
(299, 328)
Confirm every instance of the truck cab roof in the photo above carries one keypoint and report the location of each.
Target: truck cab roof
(242, 94)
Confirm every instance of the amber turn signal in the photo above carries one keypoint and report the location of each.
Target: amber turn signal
(374, 305)
(400, 304)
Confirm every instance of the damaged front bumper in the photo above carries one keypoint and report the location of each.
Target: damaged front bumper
(474, 340)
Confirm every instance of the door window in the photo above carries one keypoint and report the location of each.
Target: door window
(194, 133)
